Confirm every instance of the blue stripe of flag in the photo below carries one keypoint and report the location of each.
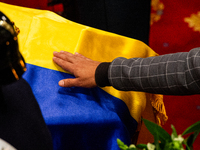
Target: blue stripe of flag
(73, 114)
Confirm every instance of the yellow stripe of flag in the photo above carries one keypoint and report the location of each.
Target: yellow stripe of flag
(42, 32)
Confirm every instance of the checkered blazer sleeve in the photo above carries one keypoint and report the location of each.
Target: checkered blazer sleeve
(171, 74)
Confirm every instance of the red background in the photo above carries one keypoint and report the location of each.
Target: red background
(169, 34)
(172, 34)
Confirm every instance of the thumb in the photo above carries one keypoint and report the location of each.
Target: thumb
(68, 83)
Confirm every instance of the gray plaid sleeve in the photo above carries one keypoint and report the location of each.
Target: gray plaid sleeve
(171, 74)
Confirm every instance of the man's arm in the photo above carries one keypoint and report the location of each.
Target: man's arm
(171, 74)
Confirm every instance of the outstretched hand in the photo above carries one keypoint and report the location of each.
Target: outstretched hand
(80, 66)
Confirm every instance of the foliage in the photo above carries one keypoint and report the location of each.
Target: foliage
(163, 141)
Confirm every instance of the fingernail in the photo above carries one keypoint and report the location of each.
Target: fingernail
(61, 83)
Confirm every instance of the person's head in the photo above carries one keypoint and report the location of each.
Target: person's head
(12, 64)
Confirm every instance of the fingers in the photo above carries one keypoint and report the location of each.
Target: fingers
(64, 55)
(80, 66)
(72, 82)
(64, 64)
(76, 82)
(68, 83)
(68, 61)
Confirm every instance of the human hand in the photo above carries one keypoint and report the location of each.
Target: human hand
(80, 66)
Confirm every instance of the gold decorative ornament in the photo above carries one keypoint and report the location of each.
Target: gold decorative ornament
(157, 8)
(194, 21)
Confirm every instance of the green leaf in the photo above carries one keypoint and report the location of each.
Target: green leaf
(156, 130)
(187, 147)
(174, 133)
(166, 146)
(141, 146)
(193, 128)
(131, 148)
(156, 141)
(121, 145)
(192, 138)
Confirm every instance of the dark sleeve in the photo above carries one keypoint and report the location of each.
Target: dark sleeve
(21, 121)
(171, 74)
(101, 74)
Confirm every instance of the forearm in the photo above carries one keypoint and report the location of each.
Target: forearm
(172, 74)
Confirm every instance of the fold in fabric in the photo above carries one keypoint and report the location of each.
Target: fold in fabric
(41, 33)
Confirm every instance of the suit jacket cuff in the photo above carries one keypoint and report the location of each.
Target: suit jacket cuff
(101, 74)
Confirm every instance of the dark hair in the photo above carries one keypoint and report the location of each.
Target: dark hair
(12, 64)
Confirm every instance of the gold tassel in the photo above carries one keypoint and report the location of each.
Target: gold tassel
(158, 105)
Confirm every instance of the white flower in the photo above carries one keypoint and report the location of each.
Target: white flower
(150, 146)
(179, 139)
(132, 146)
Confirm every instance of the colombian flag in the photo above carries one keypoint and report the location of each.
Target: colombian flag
(80, 118)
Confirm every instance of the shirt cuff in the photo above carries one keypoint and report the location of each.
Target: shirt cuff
(101, 74)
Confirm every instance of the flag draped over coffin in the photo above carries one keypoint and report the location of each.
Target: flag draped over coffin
(79, 118)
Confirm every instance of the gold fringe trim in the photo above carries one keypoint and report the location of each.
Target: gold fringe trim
(158, 105)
